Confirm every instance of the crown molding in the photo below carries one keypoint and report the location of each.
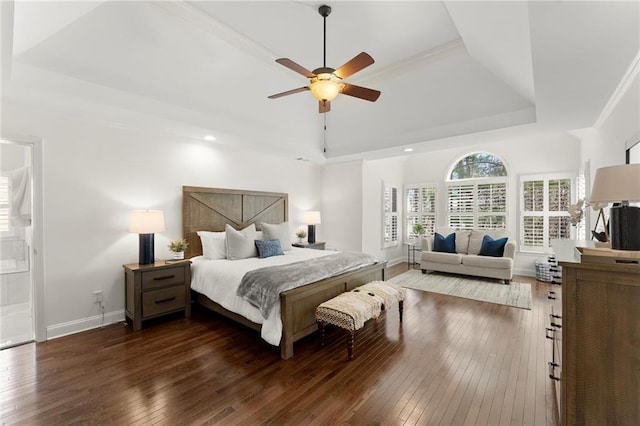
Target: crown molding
(621, 89)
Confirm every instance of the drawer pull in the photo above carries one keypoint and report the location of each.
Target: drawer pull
(552, 295)
(552, 371)
(168, 299)
(554, 324)
(165, 277)
(546, 333)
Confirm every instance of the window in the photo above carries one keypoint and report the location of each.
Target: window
(544, 204)
(4, 204)
(477, 193)
(420, 208)
(389, 216)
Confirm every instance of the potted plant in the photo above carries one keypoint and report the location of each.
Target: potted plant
(301, 234)
(419, 230)
(178, 247)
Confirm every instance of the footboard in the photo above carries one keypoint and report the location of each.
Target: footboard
(298, 305)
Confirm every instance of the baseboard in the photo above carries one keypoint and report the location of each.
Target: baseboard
(395, 261)
(84, 324)
(525, 272)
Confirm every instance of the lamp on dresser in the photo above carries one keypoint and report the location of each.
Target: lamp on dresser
(311, 218)
(620, 185)
(146, 223)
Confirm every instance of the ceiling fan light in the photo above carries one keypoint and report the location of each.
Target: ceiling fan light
(326, 87)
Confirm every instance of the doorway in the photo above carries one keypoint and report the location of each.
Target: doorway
(17, 313)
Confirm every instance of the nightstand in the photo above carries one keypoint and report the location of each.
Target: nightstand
(157, 289)
(318, 245)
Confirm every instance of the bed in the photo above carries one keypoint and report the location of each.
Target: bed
(209, 209)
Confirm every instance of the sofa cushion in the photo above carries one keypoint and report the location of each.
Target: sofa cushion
(491, 247)
(476, 237)
(444, 244)
(462, 241)
(487, 261)
(439, 257)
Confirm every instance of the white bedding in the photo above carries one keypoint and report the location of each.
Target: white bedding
(219, 281)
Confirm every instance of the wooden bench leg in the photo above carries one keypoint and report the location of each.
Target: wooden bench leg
(401, 308)
(350, 339)
(321, 328)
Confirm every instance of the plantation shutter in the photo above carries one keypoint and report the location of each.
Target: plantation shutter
(477, 204)
(420, 208)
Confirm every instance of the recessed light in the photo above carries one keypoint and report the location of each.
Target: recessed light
(209, 138)
(408, 150)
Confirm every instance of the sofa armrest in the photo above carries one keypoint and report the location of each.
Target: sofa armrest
(510, 249)
(427, 243)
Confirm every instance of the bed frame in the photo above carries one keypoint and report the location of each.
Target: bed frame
(209, 209)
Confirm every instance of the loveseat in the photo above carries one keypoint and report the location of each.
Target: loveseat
(474, 253)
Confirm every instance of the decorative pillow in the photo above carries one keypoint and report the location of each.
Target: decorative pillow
(268, 248)
(444, 244)
(277, 232)
(240, 244)
(491, 247)
(214, 245)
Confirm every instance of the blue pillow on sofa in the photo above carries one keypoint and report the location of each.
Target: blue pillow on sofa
(491, 247)
(444, 244)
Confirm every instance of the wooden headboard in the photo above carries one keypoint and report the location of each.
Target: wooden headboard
(209, 209)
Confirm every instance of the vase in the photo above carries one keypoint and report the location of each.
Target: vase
(178, 255)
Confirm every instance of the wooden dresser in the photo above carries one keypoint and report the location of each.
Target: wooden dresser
(599, 366)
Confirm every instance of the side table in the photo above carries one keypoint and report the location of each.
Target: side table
(412, 249)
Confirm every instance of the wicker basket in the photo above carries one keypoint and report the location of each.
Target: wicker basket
(547, 270)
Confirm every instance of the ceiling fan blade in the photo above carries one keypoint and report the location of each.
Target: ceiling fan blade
(360, 61)
(289, 92)
(361, 92)
(295, 67)
(324, 106)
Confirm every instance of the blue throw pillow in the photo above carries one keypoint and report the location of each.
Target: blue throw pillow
(491, 247)
(444, 244)
(268, 248)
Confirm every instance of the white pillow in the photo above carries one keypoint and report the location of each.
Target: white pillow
(277, 232)
(241, 244)
(214, 244)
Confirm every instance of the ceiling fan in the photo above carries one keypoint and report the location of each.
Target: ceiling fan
(325, 83)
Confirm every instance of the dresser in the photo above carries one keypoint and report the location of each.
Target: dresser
(597, 332)
(157, 289)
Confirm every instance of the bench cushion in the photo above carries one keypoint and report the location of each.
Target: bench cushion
(350, 310)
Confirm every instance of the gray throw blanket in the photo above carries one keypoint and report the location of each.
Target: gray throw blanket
(262, 287)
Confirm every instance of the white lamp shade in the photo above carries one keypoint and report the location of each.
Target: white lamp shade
(311, 218)
(615, 184)
(146, 221)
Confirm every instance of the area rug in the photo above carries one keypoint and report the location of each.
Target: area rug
(515, 294)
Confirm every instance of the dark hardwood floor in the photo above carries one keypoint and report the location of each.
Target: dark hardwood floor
(453, 361)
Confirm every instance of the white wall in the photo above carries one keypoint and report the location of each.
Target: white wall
(542, 154)
(342, 210)
(374, 173)
(95, 175)
(605, 145)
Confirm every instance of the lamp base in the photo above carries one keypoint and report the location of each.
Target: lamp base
(311, 234)
(146, 252)
(625, 227)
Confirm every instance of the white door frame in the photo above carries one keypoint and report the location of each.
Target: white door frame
(37, 221)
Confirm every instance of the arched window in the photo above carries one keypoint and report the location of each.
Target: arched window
(477, 192)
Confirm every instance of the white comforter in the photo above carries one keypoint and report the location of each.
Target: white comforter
(219, 281)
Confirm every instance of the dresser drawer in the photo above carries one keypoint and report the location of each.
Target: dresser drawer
(163, 300)
(162, 277)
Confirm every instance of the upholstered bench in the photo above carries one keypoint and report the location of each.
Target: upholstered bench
(352, 309)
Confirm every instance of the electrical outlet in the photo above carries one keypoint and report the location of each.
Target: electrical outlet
(97, 296)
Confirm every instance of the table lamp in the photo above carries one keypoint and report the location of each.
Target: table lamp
(146, 223)
(620, 185)
(311, 218)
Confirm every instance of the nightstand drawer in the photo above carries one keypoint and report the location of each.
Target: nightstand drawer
(163, 300)
(162, 277)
